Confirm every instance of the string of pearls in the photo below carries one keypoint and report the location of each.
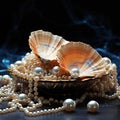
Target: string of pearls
(29, 96)
(19, 100)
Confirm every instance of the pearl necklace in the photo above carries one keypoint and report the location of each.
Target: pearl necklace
(7, 92)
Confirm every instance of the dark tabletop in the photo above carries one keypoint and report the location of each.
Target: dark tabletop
(108, 110)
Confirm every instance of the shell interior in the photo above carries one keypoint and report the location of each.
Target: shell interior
(82, 56)
(45, 44)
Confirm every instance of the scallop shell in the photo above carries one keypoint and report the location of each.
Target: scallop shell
(83, 57)
(45, 44)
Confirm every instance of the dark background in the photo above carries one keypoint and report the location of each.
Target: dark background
(91, 21)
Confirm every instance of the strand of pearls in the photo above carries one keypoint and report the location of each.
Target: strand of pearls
(43, 112)
(11, 108)
(30, 86)
(18, 100)
(7, 92)
(36, 87)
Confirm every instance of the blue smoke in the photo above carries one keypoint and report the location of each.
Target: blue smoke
(7, 58)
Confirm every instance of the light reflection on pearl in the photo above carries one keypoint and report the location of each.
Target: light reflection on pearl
(69, 105)
(93, 106)
(38, 70)
(75, 72)
(55, 69)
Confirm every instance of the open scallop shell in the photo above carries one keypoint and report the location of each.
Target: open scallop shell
(45, 44)
(83, 57)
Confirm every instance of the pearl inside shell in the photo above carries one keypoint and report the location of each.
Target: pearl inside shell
(69, 105)
(38, 70)
(93, 106)
(55, 69)
(75, 72)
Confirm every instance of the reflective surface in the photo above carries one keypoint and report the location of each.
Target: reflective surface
(108, 110)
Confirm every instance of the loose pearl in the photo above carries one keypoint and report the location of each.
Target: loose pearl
(69, 105)
(38, 70)
(22, 96)
(92, 106)
(75, 72)
(55, 69)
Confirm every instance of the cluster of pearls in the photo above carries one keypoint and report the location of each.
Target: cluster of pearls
(30, 96)
(19, 100)
(21, 69)
(6, 93)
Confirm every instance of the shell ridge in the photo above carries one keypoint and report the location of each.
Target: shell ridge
(52, 50)
(82, 56)
(89, 63)
(45, 44)
(97, 69)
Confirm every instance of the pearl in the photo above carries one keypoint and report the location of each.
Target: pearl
(118, 97)
(107, 60)
(92, 106)
(23, 101)
(55, 69)
(113, 67)
(22, 96)
(75, 72)
(27, 54)
(38, 70)
(18, 63)
(69, 105)
(6, 77)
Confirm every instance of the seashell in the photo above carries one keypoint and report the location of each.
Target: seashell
(83, 57)
(45, 44)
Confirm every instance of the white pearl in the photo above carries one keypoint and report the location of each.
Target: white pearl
(93, 106)
(113, 67)
(27, 54)
(22, 96)
(75, 72)
(107, 60)
(38, 70)
(18, 63)
(6, 77)
(55, 69)
(69, 105)
(12, 65)
(118, 97)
